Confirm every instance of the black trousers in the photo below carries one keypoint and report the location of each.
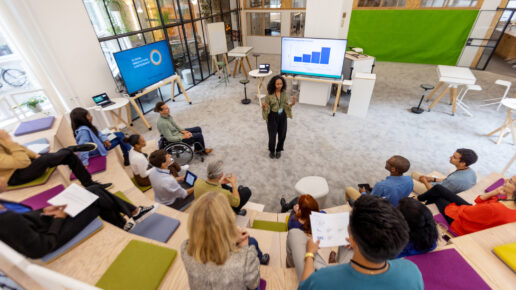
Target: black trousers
(38, 166)
(108, 206)
(277, 125)
(442, 197)
(245, 195)
(197, 138)
(179, 203)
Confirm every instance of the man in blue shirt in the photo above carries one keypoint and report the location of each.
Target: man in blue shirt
(394, 187)
(377, 233)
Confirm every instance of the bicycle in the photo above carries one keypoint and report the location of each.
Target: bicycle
(13, 77)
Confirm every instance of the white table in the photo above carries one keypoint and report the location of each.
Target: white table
(316, 186)
(453, 76)
(116, 112)
(260, 76)
(510, 104)
(241, 53)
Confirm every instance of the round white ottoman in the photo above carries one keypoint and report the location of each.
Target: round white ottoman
(316, 186)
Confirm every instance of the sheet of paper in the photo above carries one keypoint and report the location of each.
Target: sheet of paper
(110, 135)
(330, 229)
(76, 199)
(38, 148)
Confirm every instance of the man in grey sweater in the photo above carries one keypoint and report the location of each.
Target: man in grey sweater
(463, 178)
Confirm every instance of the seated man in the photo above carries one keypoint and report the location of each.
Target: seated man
(377, 233)
(463, 178)
(19, 165)
(35, 233)
(167, 190)
(173, 133)
(217, 181)
(394, 187)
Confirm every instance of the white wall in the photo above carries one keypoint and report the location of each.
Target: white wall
(484, 19)
(324, 18)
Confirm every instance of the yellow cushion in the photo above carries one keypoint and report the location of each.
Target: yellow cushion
(507, 253)
(38, 181)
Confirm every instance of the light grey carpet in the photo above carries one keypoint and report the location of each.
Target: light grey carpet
(346, 150)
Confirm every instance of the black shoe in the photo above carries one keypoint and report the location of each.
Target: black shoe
(284, 205)
(83, 147)
(143, 212)
(242, 212)
(126, 160)
(278, 154)
(103, 185)
(265, 259)
(271, 155)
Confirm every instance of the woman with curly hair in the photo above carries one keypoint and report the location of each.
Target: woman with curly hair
(423, 230)
(275, 110)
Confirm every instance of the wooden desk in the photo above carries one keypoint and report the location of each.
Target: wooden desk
(241, 53)
(171, 80)
(477, 248)
(509, 104)
(453, 76)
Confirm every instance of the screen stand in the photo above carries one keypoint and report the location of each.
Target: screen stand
(314, 93)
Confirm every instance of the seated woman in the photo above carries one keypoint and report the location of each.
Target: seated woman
(300, 215)
(464, 218)
(423, 230)
(218, 254)
(35, 233)
(140, 164)
(85, 132)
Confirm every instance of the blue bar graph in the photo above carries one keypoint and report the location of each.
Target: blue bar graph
(325, 55)
(315, 56)
(322, 57)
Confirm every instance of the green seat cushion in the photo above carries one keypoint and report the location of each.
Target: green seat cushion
(142, 188)
(140, 266)
(221, 63)
(270, 226)
(121, 195)
(38, 181)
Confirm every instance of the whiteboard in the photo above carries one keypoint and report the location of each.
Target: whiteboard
(217, 38)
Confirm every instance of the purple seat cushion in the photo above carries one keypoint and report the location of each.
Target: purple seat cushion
(34, 126)
(96, 164)
(446, 269)
(439, 218)
(263, 283)
(39, 200)
(495, 185)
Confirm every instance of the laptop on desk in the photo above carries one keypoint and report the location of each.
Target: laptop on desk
(102, 100)
(189, 181)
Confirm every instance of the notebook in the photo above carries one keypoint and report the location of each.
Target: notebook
(507, 253)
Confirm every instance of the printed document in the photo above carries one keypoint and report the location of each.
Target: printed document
(75, 198)
(330, 229)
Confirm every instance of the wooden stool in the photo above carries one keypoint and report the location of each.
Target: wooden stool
(510, 104)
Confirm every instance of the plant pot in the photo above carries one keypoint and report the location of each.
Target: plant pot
(36, 109)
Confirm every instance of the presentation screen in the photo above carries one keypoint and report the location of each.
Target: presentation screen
(322, 57)
(145, 65)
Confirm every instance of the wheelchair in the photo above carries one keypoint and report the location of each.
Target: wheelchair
(181, 152)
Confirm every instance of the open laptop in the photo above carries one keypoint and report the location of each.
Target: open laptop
(102, 100)
(189, 181)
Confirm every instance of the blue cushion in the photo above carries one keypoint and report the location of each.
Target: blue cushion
(88, 231)
(34, 126)
(39, 141)
(156, 227)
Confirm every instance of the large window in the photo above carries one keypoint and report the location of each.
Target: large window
(274, 4)
(264, 23)
(124, 24)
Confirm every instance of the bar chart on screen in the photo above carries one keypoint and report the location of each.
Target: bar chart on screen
(322, 56)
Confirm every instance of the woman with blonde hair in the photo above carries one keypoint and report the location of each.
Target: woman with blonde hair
(218, 254)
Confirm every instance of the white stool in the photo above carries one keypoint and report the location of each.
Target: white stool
(316, 186)
(507, 84)
(508, 125)
(462, 93)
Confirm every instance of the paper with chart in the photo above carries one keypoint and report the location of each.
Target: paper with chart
(76, 199)
(330, 229)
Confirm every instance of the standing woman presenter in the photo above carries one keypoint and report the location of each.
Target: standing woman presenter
(275, 110)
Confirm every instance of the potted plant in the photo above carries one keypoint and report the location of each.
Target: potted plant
(34, 103)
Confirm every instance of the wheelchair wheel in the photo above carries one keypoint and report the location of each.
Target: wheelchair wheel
(181, 153)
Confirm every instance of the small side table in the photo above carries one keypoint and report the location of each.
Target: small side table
(260, 76)
(241, 53)
(116, 112)
(510, 104)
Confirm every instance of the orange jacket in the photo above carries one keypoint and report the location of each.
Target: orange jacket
(483, 215)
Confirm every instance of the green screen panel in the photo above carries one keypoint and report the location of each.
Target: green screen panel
(415, 36)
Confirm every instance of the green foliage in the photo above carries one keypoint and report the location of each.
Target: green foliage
(33, 102)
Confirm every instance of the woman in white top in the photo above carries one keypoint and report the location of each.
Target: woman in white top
(140, 164)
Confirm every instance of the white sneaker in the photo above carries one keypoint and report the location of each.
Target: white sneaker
(185, 167)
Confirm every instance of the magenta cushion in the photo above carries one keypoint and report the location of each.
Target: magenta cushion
(439, 218)
(34, 126)
(495, 185)
(263, 284)
(39, 200)
(96, 164)
(446, 269)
